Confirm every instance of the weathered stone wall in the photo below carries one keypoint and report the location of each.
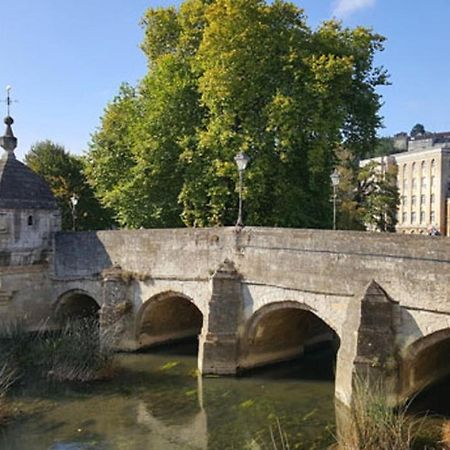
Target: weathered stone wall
(26, 236)
(25, 294)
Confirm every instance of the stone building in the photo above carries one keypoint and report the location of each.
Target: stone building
(29, 217)
(424, 182)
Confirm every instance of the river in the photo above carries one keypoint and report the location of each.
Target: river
(157, 401)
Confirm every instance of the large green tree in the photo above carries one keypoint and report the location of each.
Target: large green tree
(236, 75)
(64, 174)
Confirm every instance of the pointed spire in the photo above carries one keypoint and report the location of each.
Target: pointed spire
(8, 141)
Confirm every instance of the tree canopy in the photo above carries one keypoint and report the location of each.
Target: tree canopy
(237, 75)
(417, 130)
(368, 196)
(64, 174)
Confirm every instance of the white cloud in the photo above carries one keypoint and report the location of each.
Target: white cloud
(344, 8)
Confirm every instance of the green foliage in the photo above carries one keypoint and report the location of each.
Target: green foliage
(417, 130)
(379, 196)
(350, 210)
(384, 146)
(228, 76)
(368, 196)
(65, 175)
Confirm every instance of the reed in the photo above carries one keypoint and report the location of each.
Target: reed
(7, 377)
(375, 425)
(79, 352)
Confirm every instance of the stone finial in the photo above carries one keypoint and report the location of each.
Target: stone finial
(8, 141)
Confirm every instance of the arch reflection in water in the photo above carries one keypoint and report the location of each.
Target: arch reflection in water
(174, 419)
(156, 401)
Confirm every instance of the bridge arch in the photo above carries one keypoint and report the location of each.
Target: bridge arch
(75, 304)
(424, 362)
(280, 331)
(166, 317)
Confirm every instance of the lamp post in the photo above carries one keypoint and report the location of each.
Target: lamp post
(334, 181)
(241, 161)
(73, 203)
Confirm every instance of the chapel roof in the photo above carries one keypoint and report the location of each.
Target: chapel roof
(20, 187)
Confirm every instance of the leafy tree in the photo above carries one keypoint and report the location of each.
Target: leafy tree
(64, 174)
(417, 129)
(379, 196)
(368, 196)
(350, 212)
(236, 75)
(384, 146)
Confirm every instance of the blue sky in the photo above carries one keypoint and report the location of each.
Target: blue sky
(66, 60)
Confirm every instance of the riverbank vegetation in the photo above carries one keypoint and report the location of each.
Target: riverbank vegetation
(6, 380)
(76, 352)
(373, 425)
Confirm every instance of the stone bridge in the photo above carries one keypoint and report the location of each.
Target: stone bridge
(260, 295)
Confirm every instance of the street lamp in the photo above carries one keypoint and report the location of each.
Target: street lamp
(334, 181)
(241, 161)
(73, 203)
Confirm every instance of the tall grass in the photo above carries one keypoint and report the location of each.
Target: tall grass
(6, 380)
(376, 426)
(77, 352)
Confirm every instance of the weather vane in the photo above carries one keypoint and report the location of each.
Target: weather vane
(8, 100)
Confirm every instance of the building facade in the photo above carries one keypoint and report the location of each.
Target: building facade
(423, 181)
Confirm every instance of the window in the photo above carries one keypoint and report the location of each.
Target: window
(423, 182)
(404, 217)
(422, 200)
(3, 223)
(433, 165)
(30, 220)
(404, 199)
(432, 182)
(422, 216)
(404, 170)
(413, 201)
(405, 184)
(414, 168)
(413, 217)
(422, 166)
(413, 184)
(432, 199)
(432, 217)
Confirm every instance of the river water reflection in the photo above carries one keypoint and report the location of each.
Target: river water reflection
(156, 401)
